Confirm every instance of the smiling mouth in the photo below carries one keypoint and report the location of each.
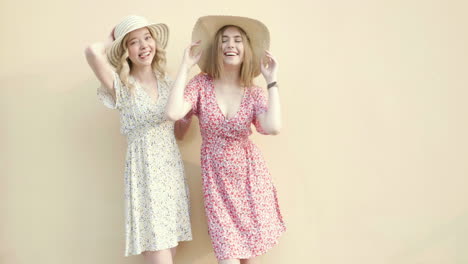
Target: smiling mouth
(230, 53)
(144, 55)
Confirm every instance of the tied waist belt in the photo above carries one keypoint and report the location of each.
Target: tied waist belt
(140, 132)
(220, 142)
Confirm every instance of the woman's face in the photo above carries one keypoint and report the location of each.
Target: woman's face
(141, 47)
(232, 47)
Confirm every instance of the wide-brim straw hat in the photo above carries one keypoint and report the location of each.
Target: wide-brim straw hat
(129, 24)
(206, 27)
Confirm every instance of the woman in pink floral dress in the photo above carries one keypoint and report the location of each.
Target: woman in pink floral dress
(241, 206)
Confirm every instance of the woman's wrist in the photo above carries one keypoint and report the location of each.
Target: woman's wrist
(270, 77)
(272, 84)
(185, 66)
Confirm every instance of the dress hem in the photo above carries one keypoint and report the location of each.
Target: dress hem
(139, 252)
(258, 253)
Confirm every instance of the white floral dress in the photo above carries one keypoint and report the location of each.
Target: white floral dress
(156, 192)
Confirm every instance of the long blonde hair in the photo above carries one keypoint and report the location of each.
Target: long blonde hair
(215, 61)
(158, 64)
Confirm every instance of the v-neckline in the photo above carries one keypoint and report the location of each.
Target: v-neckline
(219, 108)
(146, 95)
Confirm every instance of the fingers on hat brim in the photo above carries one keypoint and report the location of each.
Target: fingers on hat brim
(206, 27)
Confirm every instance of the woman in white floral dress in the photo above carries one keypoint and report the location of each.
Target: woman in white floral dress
(156, 193)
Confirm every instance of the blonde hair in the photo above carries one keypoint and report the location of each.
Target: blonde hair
(215, 61)
(125, 64)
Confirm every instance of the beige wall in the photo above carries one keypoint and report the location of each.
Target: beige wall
(370, 167)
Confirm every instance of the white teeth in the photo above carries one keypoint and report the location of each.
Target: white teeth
(145, 54)
(230, 53)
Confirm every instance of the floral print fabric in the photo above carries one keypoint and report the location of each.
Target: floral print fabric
(244, 219)
(156, 193)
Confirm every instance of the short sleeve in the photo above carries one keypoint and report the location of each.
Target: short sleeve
(192, 91)
(106, 98)
(259, 107)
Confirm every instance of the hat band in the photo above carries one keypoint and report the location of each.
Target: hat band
(127, 27)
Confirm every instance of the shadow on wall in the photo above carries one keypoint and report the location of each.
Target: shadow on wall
(73, 181)
(199, 250)
(104, 131)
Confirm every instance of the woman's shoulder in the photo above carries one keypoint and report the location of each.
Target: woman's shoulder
(202, 77)
(199, 82)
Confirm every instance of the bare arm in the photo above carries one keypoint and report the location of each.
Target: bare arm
(177, 107)
(96, 56)
(271, 119)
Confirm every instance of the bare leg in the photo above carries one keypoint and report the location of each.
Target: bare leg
(255, 260)
(173, 252)
(158, 257)
(229, 261)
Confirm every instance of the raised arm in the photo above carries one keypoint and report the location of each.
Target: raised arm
(177, 107)
(96, 56)
(271, 119)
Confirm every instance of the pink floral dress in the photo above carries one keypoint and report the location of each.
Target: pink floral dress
(244, 219)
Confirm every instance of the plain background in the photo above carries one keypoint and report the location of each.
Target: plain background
(371, 166)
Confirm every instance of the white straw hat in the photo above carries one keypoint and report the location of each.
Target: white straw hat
(129, 24)
(206, 27)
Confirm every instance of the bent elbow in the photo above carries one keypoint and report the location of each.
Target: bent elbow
(89, 52)
(275, 132)
(172, 116)
(92, 50)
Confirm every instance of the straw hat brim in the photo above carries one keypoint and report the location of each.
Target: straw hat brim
(206, 27)
(115, 51)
